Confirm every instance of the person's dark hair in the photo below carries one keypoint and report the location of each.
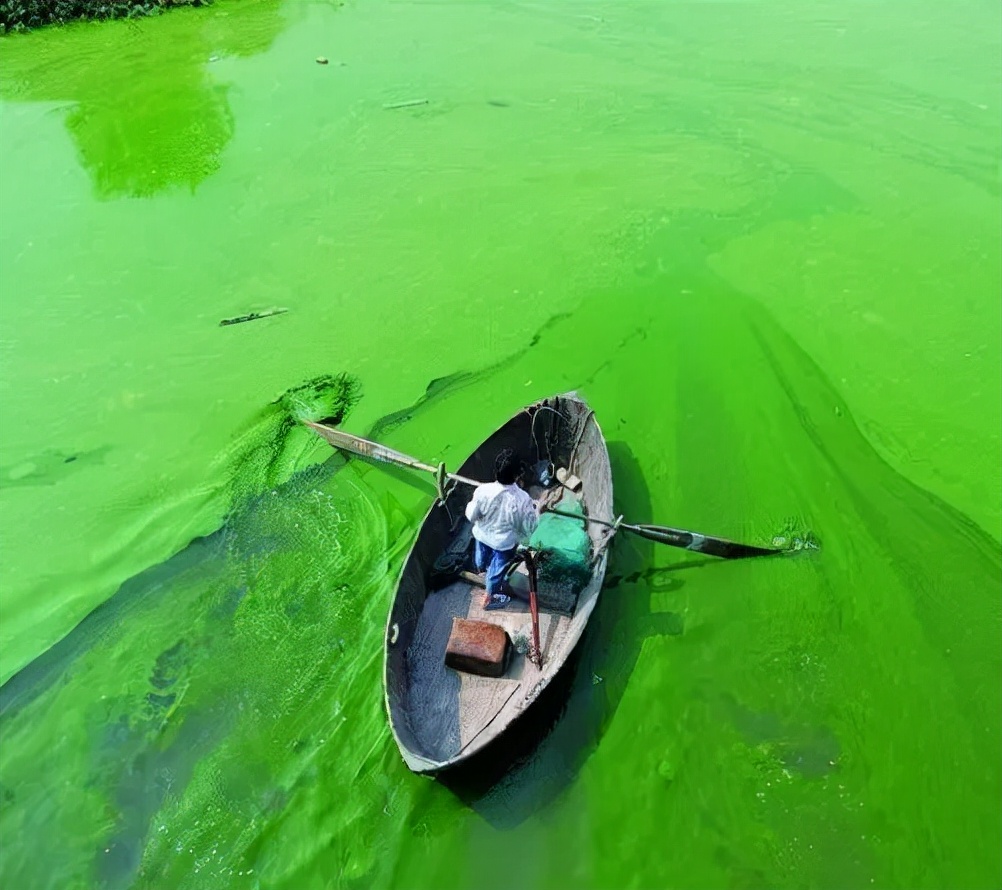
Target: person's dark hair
(507, 466)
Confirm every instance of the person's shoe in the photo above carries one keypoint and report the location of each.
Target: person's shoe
(498, 601)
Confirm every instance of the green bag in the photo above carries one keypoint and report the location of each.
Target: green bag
(564, 548)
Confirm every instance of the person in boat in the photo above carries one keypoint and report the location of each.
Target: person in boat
(503, 516)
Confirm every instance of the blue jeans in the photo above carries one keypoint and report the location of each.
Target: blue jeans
(493, 562)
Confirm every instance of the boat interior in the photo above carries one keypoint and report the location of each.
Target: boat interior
(440, 715)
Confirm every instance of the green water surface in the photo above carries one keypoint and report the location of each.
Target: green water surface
(761, 238)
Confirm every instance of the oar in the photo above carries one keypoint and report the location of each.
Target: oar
(358, 445)
(660, 534)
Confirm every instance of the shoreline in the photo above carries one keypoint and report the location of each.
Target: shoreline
(35, 14)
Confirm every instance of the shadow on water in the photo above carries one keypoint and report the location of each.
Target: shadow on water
(147, 111)
(543, 752)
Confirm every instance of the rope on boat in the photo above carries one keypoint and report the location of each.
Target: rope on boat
(574, 450)
(534, 413)
(445, 486)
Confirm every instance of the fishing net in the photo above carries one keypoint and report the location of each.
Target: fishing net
(564, 548)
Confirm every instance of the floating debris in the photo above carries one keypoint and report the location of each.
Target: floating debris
(410, 103)
(252, 316)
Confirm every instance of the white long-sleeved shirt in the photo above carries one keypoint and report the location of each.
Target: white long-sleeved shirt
(502, 515)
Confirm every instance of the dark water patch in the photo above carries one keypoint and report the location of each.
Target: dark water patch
(161, 702)
(436, 389)
(441, 387)
(256, 663)
(148, 771)
(663, 624)
(50, 467)
(169, 665)
(813, 751)
(804, 194)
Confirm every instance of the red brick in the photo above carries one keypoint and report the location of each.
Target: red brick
(478, 647)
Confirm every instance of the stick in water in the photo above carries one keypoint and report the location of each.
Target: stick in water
(410, 103)
(252, 316)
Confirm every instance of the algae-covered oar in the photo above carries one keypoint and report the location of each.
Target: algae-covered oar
(660, 534)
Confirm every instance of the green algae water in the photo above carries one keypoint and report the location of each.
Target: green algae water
(761, 238)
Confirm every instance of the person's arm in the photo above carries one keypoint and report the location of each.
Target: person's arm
(473, 507)
(529, 519)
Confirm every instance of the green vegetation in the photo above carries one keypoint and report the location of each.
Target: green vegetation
(21, 15)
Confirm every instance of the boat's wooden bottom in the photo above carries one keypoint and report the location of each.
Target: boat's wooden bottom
(456, 707)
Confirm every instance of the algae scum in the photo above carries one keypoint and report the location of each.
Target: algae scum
(760, 239)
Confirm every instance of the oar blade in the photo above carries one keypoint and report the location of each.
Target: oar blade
(698, 543)
(365, 448)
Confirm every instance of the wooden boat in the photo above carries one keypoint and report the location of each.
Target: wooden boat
(441, 717)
